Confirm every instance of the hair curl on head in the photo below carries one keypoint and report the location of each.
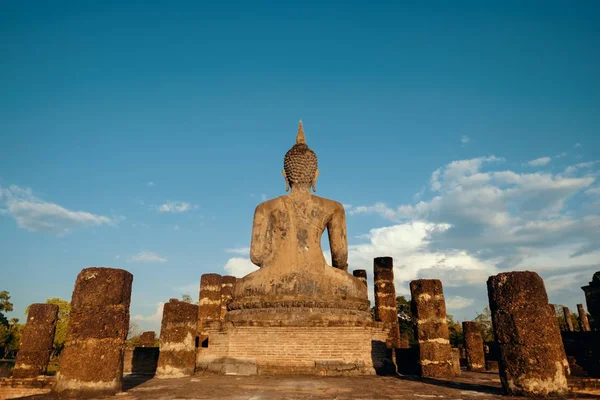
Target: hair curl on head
(300, 164)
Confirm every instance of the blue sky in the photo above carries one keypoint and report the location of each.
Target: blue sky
(463, 138)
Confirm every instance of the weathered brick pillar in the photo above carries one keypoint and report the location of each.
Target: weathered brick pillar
(583, 319)
(429, 313)
(227, 285)
(385, 298)
(36, 341)
(526, 329)
(456, 361)
(404, 342)
(92, 359)
(177, 340)
(361, 274)
(473, 341)
(147, 339)
(209, 306)
(568, 321)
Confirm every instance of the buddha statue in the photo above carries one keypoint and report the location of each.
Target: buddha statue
(294, 281)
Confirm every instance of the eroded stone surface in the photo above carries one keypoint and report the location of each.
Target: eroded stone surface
(532, 357)
(177, 340)
(36, 341)
(473, 343)
(147, 339)
(361, 274)
(431, 328)
(592, 299)
(568, 321)
(227, 286)
(385, 298)
(209, 305)
(92, 359)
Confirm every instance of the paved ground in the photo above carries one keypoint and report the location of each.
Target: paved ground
(476, 386)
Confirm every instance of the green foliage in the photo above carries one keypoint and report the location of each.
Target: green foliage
(187, 298)
(405, 318)
(484, 320)
(10, 338)
(455, 331)
(5, 306)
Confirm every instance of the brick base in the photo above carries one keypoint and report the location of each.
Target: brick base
(11, 388)
(314, 350)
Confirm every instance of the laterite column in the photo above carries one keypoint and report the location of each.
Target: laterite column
(92, 359)
(36, 341)
(147, 339)
(473, 342)
(385, 298)
(177, 340)
(361, 274)
(209, 306)
(227, 284)
(584, 323)
(568, 321)
(525, 328)
(429, 314)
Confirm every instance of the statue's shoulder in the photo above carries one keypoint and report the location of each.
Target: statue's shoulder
(269, 205)
(330, 204)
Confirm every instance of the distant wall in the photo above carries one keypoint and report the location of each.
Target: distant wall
(15, 388)
(140, 360)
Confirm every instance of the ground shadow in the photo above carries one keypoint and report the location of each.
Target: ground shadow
(489, 389)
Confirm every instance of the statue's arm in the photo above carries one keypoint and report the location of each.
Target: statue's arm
(338, 241)
(259, 235)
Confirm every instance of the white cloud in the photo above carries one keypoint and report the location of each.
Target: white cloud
(538, 162)
(464, 139)
(176, 228)
(117, 257)
(593, 191)
(150, 184)
(151, 322)
(577, 145)
(176, 207)
(36, 215)
(244, 251)
(458, 302)
(239, 267)
(147, 257)
(561, 155)
(347, 206)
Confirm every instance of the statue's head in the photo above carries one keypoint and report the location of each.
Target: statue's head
(300, 164)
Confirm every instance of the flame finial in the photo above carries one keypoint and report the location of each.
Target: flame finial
(300, 138)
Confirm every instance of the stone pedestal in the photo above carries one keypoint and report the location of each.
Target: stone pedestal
(429, 314)
(473, 342)
(227, 286)
(92, 359)
(36, 341)
(386, 309)
(584, 324)
(209, 306)
(178, 340)
(147, 339)
(568, 321)
(361, 274)
(525, 329)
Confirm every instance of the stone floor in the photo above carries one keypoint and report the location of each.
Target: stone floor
(476, 386)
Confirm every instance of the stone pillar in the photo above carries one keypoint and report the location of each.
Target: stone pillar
(361, 274)
(147, 339)
(227, 284)
(474, 352)
(592, 299)
(36, 341)
(525, 328)
(429, 313)
(404, 342)
(177, 340)
(456, 361)
(385, 298)
(209, 306)
(568, 321)
(583, 319)
(92, 359)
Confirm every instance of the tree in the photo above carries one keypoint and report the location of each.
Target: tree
(187, 298)
(5, 306)
(405, 323)
(484, 321)
(10, 338)
(455, 331)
